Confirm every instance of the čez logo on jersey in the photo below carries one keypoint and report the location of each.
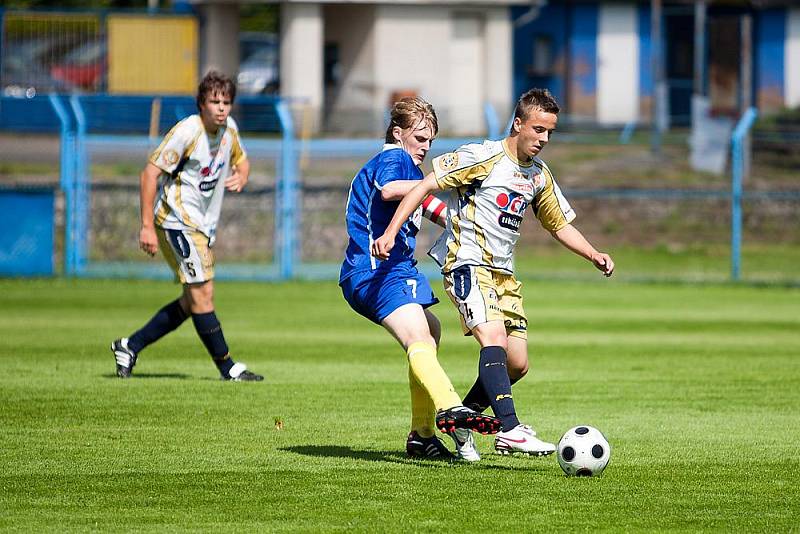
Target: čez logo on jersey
(512, 207)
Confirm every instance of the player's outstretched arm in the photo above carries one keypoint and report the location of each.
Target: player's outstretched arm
(571, 238)
(384, 244)
(397, 189)
(238, 179)
(148, 184)
(432, 208)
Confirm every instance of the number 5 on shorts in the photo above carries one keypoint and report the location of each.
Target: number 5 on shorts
(413, 284)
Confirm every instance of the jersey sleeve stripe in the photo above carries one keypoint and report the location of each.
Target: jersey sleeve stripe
(467, 175)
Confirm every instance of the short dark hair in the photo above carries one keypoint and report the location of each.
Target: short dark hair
(409, 112)
(215, 82)
(540, 99)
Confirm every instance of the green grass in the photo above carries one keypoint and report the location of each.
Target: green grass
(760, 263)
(697, 388)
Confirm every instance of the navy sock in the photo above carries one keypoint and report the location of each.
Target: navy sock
(477, 399)
(210, 332)
(163, 322)
(493, 376)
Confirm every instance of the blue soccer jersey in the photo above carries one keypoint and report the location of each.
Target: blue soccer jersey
(368, 214)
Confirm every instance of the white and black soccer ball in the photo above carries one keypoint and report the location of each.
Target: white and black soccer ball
(583, 451)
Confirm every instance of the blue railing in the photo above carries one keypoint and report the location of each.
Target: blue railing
(739, 153)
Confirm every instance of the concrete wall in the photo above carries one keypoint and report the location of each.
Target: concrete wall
(301, 61)
(617, 64)
(455, 57)
(219, 41)
(792, 65)
(345, 103)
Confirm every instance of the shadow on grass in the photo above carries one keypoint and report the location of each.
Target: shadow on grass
(339, 451)
(173, 376)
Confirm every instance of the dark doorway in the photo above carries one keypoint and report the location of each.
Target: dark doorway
(679, 39)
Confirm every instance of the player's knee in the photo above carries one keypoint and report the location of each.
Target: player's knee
(436, 330)
(200, 297)
(517, 370)
(419, 338)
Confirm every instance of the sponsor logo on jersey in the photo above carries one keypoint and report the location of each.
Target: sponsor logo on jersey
(522, 187)
(449, 161)
(208, 186)
(512, 207)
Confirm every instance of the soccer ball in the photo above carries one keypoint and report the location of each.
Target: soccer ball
(583, 451)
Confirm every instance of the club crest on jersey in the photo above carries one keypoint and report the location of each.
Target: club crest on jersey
(449, 161)
(170, 157)
(538, 181)
(512, 207)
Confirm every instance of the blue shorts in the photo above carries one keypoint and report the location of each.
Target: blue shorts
(375, 295)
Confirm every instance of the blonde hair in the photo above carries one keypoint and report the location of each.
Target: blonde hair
(409, 112)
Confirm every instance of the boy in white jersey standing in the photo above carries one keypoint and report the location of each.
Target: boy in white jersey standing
(493, 183)
(182, 187)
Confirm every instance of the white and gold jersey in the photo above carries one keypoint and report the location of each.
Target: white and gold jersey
(195, 167)
(491, 190)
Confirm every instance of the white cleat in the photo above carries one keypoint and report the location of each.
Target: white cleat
(522, 439)
(465, 445)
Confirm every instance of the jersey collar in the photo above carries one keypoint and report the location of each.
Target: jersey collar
(514, 158)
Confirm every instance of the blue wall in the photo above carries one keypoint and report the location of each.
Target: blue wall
(552, 23)
(572, 30)
(768, 57)
(26, 243)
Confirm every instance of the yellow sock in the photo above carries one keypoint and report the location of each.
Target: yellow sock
(422, 409)
(426, 369)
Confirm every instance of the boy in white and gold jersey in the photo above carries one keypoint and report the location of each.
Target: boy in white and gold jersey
(197, 161)
(493, 183)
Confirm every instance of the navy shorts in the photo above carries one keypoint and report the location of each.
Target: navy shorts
(375, 295)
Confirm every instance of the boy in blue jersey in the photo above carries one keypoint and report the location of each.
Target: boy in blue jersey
(391, 292)
(492, 184)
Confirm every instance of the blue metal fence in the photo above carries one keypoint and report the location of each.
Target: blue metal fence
(87, 123)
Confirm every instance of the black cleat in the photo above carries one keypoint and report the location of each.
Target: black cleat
(241, 374)
(124, 357)
(462, 417)
(247, 376)
(419, 447)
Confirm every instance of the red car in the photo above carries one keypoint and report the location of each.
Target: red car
(83, 67)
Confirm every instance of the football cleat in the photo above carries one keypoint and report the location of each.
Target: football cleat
(522, 439)
(462, 417)
(465, 445)
(124, 357)
(419, 447)
(239, 373)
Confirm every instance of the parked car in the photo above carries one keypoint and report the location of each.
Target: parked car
(259, 63)
(83, 67)
(25, 66)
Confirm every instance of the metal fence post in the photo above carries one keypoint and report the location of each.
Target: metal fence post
(740, 151)
(82, 202)
(286, 196)
(67, 181)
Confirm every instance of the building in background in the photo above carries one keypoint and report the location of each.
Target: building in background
(597, 57)
(344, 62)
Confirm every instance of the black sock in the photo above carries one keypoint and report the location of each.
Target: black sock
(493, 376)
(210, 332)
(477, 399)
(163, 322)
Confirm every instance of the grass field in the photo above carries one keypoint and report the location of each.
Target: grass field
(697, 388)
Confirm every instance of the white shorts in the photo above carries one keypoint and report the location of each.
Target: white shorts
(188, 254)
(482, 295)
